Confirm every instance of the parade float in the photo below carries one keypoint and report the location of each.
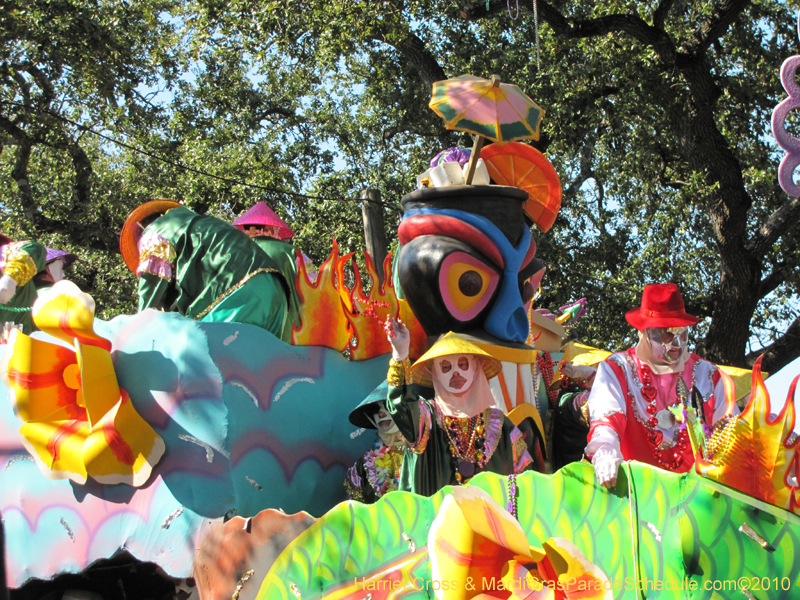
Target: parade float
(217, 452)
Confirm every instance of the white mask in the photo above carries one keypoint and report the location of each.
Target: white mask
(456, 372)
(383, 420)
(667, 343)
(55, 269)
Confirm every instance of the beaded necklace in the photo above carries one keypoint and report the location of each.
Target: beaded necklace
(547, 370)
(467, 442)
(668, 458)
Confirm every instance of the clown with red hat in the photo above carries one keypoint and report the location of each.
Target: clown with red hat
(637, 393)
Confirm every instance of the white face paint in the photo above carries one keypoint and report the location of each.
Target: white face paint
(383, 420)
(55, 269)
(667, 343)
(456, 372)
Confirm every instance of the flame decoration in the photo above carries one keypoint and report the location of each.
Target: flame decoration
(334, 316)
(755, 452)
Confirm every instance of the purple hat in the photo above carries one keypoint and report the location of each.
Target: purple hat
(54, 253)
(261, 214)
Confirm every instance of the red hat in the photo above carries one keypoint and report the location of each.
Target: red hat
(4, 239)
(662, 306)
(261, 214)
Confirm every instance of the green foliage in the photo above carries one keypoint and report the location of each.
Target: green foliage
(306, 104)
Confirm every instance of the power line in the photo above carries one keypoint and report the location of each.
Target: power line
(196, 171)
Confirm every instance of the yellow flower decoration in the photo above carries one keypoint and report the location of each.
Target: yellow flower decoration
(77, 420)
(481, 551)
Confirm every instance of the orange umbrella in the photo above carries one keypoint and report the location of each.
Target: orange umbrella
(522, 166)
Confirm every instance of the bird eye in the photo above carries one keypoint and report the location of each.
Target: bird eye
(467, 285)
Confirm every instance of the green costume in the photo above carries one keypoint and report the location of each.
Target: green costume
(206, 269)
(571, 430)
(22, 261)
(284, 255)
(430, 462)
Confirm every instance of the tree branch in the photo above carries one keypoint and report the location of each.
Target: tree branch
(415, 51)
(20, 175)
(774, 227)
(780, 272)
(586, 172)
(661, 12)
(781, 352)
(631, 24)
(713, 27)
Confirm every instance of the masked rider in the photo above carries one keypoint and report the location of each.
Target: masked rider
(459, 433)
(633, 390)
(377, 472)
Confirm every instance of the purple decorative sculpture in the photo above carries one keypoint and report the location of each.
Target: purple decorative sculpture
(786, 141)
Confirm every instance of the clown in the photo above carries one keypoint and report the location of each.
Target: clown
(377, 472)
(19, 263)
(459, 433)
(630, 401)
(202, 268)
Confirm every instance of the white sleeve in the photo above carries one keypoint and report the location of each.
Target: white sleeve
(605, 441)
(605, 399)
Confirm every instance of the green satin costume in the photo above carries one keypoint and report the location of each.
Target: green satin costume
(210, 271)
(428, 464)
(284, 255)
(22, 261)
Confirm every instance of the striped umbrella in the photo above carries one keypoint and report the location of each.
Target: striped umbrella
(487, 108)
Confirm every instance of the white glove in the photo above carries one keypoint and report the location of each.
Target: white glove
(578, 372)
(7, 288)
(606, 464)
(399, 338)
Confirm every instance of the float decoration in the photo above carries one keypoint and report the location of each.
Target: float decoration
(487, 108)
(78, 422)
(523, 166)
(248, 423)
(325, 301)
(333, 316)
(369, 313)
(467, 258)
(786, 141)
(473, 539)
(676, 531)
(755, 452)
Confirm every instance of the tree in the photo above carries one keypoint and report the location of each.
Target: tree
(65, 68)
(657, 120)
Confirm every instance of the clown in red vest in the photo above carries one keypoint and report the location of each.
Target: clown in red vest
(628, 404)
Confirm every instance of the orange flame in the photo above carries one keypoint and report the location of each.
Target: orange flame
(369, 314)
(757, 454)
(322, 319)
(334, 316)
